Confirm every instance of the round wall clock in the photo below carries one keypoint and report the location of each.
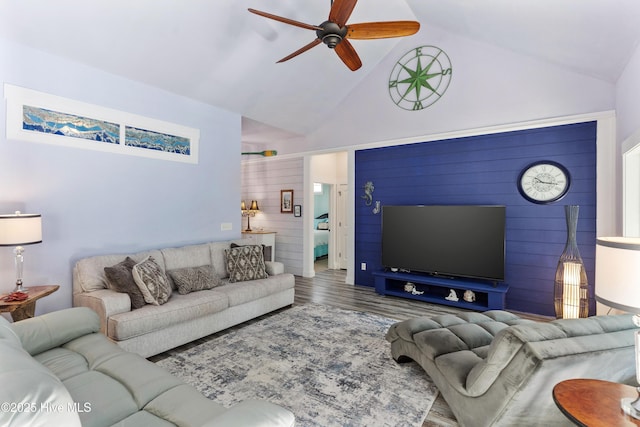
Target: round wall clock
(420, 78)
(544, 182)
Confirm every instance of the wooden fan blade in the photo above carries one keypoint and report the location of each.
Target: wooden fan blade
(286, 20)
(341, 11)
(348, 54)
(301, 50)
(382, 30)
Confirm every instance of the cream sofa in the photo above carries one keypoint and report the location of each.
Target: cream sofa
(57, 370)
(152, 329)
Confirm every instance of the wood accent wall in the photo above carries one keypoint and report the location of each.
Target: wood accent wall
(262, 181)
(484, 170)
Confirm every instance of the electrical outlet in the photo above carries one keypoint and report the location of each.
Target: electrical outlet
(363, 266)
(226, 226)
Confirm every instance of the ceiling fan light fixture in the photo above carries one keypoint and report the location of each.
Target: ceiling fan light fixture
(335, 32)
(331, 33)
(331, 40)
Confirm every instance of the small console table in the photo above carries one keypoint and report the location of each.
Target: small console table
(436, 289)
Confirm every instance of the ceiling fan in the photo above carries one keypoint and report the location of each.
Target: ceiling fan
(335, 32)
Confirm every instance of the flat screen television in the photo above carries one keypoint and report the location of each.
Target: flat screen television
(466, 241)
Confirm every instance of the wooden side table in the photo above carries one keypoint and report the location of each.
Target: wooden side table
(21, 310)
(594, 403)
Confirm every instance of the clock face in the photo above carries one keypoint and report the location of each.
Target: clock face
(544, 182)
(420, 78)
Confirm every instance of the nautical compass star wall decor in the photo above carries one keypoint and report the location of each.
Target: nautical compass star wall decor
(420, 78)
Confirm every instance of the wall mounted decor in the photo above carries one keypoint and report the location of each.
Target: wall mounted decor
(286, 201)
(265, 153)
(40, 117)
(377, 208)
(368, 193)
(420, 78)
(544, 182)
(297, 210)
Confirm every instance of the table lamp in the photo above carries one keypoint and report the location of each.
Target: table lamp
(618, 286)
(17, 230)
(253, 209)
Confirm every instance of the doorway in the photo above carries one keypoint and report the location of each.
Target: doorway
(322, 222)
(327, 231)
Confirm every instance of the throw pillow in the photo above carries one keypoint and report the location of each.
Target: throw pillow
(194, 278)
(120, 279)
(245, 263)
(152, 281)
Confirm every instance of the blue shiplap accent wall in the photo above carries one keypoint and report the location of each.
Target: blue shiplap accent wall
(484, 170)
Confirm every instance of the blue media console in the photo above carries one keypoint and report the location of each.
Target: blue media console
(436, 289)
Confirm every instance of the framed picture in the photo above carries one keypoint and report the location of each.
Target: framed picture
(286, 201)
(297, 210)
(44, 118)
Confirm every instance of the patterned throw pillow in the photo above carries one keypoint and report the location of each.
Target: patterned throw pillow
(245, 263)
(120, 279)
(152, 281)
(193, 279)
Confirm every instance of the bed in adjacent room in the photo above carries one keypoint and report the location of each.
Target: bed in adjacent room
(321, 236)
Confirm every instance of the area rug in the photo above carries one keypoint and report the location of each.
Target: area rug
(330, 367)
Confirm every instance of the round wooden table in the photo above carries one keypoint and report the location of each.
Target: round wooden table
(594, 403)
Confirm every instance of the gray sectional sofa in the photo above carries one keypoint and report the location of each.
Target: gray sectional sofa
(58, 370)
(496, 369)
(152, 329)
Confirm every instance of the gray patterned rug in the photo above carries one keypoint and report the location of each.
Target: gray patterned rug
(330, 367)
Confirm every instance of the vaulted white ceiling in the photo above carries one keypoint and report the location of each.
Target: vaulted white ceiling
(219, 53)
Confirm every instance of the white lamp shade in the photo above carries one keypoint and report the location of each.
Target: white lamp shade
(20, 229)
(618, 273)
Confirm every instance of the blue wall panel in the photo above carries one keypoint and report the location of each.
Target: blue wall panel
(484, 170)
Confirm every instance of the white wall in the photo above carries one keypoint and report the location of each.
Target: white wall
(93, 202)
(627, 98)
(262, 180)
(628, 128)
(489, 87)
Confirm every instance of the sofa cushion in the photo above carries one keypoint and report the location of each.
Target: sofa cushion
(186, 256)
(27, 383)
(179, 308)
(184, 405)
(242, 292)
(88, 273)
(219, 258)
(152, 281)
(190, 279)
(120, 279)
(245, 263)
(43, 333)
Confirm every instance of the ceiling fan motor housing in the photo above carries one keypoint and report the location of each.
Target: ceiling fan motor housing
(331, 33)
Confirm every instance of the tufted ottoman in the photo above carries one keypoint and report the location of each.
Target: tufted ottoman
(495, 368)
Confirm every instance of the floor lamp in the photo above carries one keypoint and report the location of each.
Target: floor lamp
(618, 286)
(19, 230)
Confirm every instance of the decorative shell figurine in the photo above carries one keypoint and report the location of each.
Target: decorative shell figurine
(469, 296)
(452, 296)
